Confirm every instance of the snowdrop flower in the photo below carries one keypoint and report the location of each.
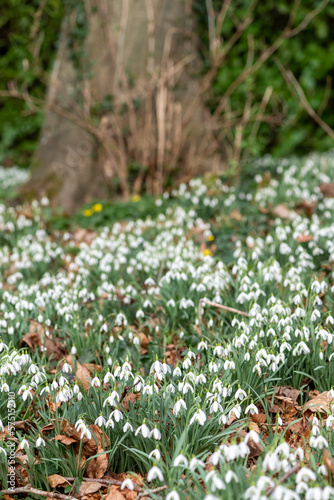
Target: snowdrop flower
(95, 382)
(67, 368)
(231, 475)
(156, 434)
(180, 403)
(116, 414)
(144, 430)
(202, 345)
(155, 453)
(198, 417)
(100, 421)
(240, 394)
(180, 460)
(127, 426)
(252, 409)
(127, 483)
(40, 442)
(173, 495)
(195, 462)
(24, 444)
(154, 473)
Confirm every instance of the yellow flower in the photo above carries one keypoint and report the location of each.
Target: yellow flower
(136, 198)
(87, 212)
(97, 207)
(207, 251)
(211, 237)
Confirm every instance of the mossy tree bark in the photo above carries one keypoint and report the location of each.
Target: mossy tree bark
(136, 41)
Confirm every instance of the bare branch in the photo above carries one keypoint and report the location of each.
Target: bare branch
(33, 491)
(293, 82)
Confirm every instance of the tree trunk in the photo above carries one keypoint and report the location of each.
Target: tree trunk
(141, 51)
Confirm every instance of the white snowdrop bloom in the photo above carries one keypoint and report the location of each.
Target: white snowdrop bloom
(318, 442)
(173, 495)
(155, 473)
(195, 462)
(186, 364)
(5, 388)
(95, 382)
(230, 475)
(329, 321)
(229, 365)
(156, 434)
(198, 417)
(177, 372)
(210, 497)
(127, 426)
(67, 368)
(116, 415)
(40, 442)
(252, 409)
(110, 423)
(108, 376)
(202, 346)
(144, 430)
(240, 394)
(140, 314)
(301, 488)
(155, 453)
(180, 460)
(127, 483)
(180, 403)
(24, 444)
(100, 421)
(305, 475)
(315, 315)
(331, 393)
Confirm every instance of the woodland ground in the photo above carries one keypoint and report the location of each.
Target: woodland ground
(124, 373)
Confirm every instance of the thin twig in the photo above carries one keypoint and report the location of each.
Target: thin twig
(33, 491)
(285, 476)
(113, 482)
(146, 493)
(214, 304)
(292, 80)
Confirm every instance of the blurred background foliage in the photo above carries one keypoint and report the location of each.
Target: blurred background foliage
(29, 32)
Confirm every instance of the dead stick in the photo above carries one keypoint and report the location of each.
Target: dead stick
(146, 493)
(114, 482)
(285, 476)
(33, 491)
(214, 304)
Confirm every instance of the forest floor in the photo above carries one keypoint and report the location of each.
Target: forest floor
(177, 348)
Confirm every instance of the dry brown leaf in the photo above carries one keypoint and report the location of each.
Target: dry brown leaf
(328, 463)
(57, 480)
(7, 497)
(304, 238)
(259, 418)
(83, 374)
(36, 337)
(131, 398)
(88, 487)
(319, 403)
(255, 448)
(281, 211)
(97, 466)
(114, 494)
(236, 215)
(65, 439)
(53, 405)
(254, 427)
(288, 392)
(327, 189)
